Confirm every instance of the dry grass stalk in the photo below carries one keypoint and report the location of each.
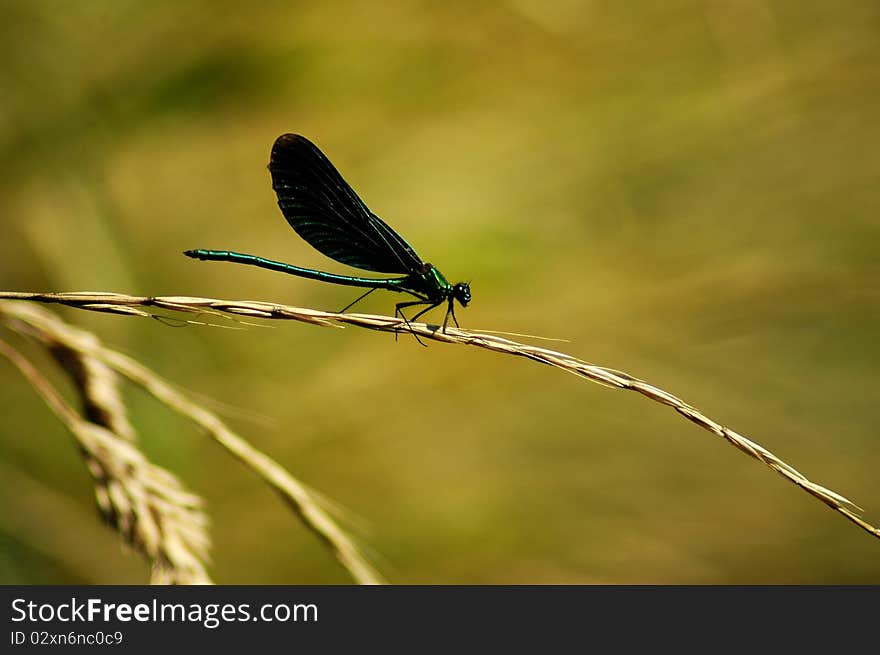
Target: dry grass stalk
(145, 306)
(90, 356)
(146, 504)
(97, 385)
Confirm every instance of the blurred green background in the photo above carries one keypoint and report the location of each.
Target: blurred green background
(686, 190)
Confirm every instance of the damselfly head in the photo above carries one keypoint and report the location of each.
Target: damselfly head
(462, 293)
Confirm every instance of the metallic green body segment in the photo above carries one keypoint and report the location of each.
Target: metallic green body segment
(435, 279)
(430, 284)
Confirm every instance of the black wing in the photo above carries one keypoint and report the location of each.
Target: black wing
(325, 211)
